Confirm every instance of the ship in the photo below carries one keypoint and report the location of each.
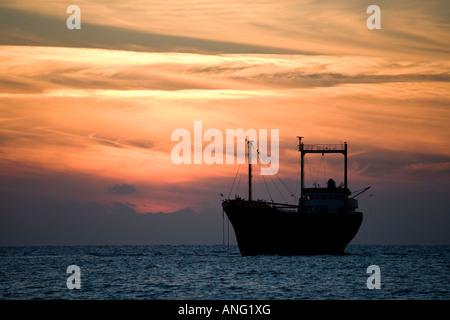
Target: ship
(323, 221)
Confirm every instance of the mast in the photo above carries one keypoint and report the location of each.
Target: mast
(249, 170)
(302, 185)
(345, 165)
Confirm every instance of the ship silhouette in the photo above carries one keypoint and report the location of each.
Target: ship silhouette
(324, 221)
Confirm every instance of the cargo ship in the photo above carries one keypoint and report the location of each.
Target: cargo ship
(324, 220)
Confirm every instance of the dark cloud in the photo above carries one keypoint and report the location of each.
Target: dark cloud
(19, 27)
(37, 222)
(418, 167)
(388, 219)
(300, 79)
(122, 189)
(397, 213)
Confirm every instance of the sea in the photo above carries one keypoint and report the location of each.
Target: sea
(219, 272)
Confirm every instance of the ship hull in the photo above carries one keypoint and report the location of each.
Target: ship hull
(262, 229)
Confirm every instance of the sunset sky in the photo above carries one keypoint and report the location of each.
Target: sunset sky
(87, 115)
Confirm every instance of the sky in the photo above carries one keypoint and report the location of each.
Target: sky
(87, 114)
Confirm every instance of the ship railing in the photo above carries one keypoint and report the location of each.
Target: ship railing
(284, 206)
(313, 147)
(288, 209)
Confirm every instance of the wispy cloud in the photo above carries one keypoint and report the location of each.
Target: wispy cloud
(124, 105)
(38, 28)
(40, 69)
(83, 109)
(408, 28)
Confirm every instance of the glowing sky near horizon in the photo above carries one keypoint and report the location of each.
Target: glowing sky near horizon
(90, 111)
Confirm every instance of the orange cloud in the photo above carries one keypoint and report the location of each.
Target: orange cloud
(109, 114)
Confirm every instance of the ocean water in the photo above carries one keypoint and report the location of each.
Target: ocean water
(219, 273)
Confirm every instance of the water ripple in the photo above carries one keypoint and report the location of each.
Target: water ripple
(216, 272)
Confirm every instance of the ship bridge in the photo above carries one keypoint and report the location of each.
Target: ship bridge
(331, 198)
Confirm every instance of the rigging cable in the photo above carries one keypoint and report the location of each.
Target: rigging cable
(285, 185)
(228, 236)
(264, 179)
(267, 188)
(297, 182)
(319, 170)
(237, 173)
(282, 182)
(309, 168)
(281, 194)
(223, 227)
(239, 180)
